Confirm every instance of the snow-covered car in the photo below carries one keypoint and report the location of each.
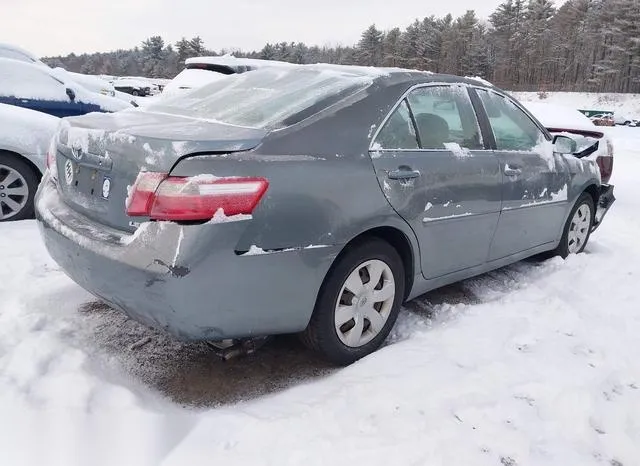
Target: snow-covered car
(18, 53)
(591, 141)
(40, 88)
(200, 71)
(132, 86)
(624, 120)
(89, 82)
(25, 136)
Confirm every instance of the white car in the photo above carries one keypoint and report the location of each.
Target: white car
(25, 136)
(90, 82)
(591, 140)
(200, 71)
(624, 120)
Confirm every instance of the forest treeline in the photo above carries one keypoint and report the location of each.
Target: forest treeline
(524, 45)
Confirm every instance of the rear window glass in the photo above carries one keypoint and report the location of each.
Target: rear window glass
(267, 98)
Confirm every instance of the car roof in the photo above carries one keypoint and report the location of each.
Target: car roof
(9, 63)
(230, 60)
(389, 76)
(20, 51)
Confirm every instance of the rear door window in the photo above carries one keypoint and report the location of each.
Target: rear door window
(398, 132)
(444, 115)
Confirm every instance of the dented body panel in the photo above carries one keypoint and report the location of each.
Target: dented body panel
(260, 275)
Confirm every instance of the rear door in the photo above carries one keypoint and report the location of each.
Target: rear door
(534, 193)
(437, 174)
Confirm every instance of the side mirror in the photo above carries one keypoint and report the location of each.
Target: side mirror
(71, 93)
(564, 145)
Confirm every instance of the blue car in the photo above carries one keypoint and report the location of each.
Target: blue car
(37, 87)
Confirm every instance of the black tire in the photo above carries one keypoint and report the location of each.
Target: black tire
(32, 179)
(321, 335)
(135, 93)
(563, 248)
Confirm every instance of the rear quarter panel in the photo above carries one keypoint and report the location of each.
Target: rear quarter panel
(584, 173)
(323, 189)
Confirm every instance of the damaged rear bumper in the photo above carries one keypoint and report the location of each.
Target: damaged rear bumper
(188, 280)
(605, 201)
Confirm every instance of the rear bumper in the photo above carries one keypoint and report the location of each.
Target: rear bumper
(605, 202)
(187, 280)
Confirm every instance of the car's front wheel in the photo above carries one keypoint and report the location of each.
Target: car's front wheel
(358, 303)
(578, 227)
(18, 185)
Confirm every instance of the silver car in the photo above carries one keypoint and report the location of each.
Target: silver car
(24, 138)
(311, 199)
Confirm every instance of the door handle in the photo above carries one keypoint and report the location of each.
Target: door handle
(512, 171)
(403, 173)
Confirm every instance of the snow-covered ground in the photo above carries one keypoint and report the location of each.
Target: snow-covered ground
(624, 104)
(534, 364)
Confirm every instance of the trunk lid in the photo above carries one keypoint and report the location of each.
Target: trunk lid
(99, 156)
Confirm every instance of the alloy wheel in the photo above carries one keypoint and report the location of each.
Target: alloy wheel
(14, 192)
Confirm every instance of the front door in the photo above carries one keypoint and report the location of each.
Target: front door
(534, 194)
(434, 170)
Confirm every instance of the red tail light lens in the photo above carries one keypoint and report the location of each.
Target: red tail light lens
(163, 197)
(140, 198)
(51, 158)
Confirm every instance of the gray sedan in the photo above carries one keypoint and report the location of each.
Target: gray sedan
(314, 199)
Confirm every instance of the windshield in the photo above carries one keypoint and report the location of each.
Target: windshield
(267, 98)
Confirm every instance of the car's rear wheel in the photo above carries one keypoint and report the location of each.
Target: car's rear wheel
(358, 303)
(18, 185)
(578, 227)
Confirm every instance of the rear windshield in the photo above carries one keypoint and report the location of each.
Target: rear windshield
(267, 98)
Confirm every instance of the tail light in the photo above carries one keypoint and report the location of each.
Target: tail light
(606, 163)
(51, 159)
(163, 197)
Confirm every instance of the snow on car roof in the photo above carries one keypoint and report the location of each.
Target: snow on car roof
(228, 60)
(32, 81)
(17, 53)
(560, 117)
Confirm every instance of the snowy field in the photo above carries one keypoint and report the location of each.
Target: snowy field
(534, 364)
(624, 104)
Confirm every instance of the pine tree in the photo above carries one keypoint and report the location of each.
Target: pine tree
(391, 48)
(370, 47)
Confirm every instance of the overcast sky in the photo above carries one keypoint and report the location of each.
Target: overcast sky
(54, 27)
